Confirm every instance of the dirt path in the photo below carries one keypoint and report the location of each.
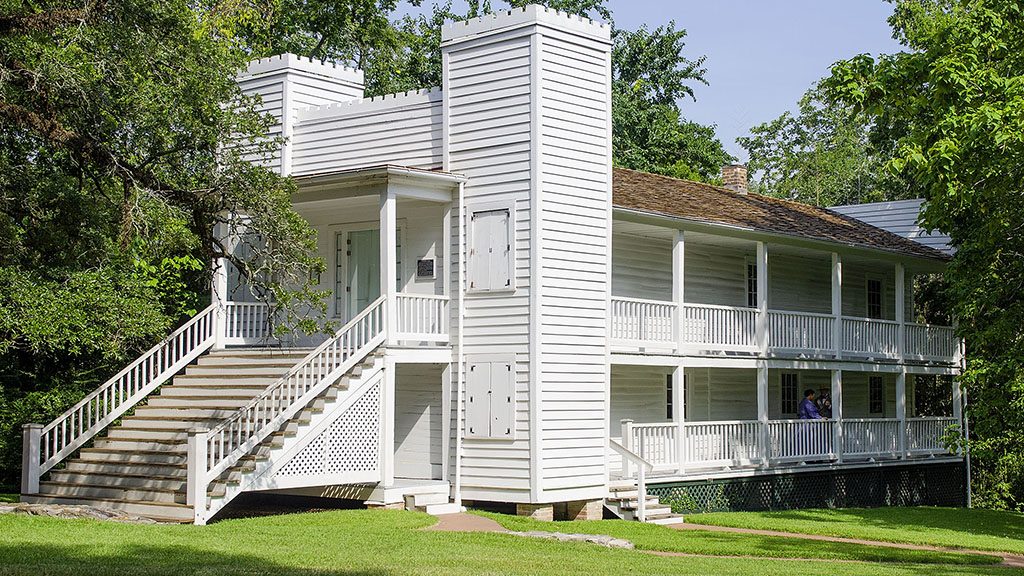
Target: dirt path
(1009, 560)
(472, 523)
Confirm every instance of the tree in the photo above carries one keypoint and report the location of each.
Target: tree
(650, 75)
(823, 155)
(121, 132)
(959, 93)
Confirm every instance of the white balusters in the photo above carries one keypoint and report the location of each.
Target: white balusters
(924, 435)
(246, 322)
(800, 331)
(643, 323)
(723, 327)
(800, 440)
(872, 437)
(422, 317)
(871, 337)
(66, 434)
(721, 444)
(929, 342)
(656, 443)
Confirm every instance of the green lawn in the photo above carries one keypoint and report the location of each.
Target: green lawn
(664, 539)
(8, 497)
(375, 542)
(947, 527)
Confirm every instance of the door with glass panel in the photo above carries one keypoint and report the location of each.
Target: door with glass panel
(358, 270)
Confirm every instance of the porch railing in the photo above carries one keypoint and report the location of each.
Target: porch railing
(655, 443)
(803, 331)
(722, 443)
(422, 317)
(246, 322)
(925, 435)
(724, 327)
(800, 440)
(643, 323)
(871, 437)
(929, 342)
(871, 337)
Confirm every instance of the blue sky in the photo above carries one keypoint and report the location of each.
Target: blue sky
(762, 56)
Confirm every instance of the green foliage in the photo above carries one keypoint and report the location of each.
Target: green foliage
(959, 93)
(650, 76)
(823, 155)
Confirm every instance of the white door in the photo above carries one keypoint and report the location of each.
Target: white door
(363, 269)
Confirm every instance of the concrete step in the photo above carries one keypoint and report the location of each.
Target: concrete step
(113, 480)
(666, 520)
(241, 370)
(442, 509)
(111, 492)
(424, 499)
(209, 402)
(122, 468)
(166, 512)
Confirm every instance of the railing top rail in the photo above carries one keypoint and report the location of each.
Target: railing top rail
(423, 296)
(630, 455)
(799, 420)
(643, 301)
(133, 365)
(719, 307)
(719, 422)
(869, 420)
(240, 413)
(652, 424)
(930, 418)
(801, 313)
(920, 325)
(872, 320)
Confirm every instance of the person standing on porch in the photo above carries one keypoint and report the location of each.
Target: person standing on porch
(807, 409)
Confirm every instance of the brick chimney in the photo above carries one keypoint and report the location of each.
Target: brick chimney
(734, 177)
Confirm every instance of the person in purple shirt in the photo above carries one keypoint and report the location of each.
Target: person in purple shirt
(807, 409)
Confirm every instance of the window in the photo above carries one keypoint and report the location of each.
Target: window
(490, 251)
(751, 283)
(668, 396)
(876, 395)
(491, 398)
(874, 298)
(790, 393)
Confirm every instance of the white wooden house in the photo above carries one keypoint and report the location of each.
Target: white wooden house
(522, 323)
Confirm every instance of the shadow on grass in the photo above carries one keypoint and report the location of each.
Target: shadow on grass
(81, 560)
(998, 524)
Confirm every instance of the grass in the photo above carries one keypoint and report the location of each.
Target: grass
(360, 542)
(664, 539)
(974, 529)
(8, 498)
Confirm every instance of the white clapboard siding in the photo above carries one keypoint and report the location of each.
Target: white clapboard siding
(637, 393)
(269, 90)
(898, 217)
(418, 421)
(489, 141)
(715, 275)
(403, 129)
(575, 264)
(641, 267)
(856, 395)
(721, 394)
(798, 283)
(855, 275)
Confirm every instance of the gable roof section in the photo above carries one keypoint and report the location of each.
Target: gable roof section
(662, 195)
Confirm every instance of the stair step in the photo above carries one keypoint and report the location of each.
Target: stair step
(226, 379)
(239, 389)
(123, 468)
(241, 370)
(669, 519)
(141, 445)
(157, 457)
(216, 414)
(442, 509)
(126, 481)
(209, 402)
(415, 501)
(167, 512)
(111, 492)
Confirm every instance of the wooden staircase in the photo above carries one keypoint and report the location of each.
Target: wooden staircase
(140, 466)
(623, 501)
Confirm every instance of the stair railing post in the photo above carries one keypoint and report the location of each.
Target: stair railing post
(641, 492)
(627, 443)
(219, 297)
(31, 434)
(198, 439)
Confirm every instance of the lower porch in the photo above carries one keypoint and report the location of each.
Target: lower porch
(719, 422)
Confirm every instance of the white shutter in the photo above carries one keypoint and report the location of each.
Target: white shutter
(490, 260)
(501, 249)
(478, 404)
(503, 400)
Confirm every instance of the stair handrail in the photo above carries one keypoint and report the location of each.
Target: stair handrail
(104, 405)
(215, 450)
(643, 467)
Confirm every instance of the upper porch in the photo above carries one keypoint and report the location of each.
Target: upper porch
(700, 293)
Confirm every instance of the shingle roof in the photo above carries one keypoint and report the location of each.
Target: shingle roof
(701, 202)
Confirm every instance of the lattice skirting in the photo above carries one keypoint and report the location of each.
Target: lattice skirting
(350, 444)
(923, 484)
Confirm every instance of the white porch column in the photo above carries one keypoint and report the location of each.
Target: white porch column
(837, 414)
(387, 423)
(448, 417)
(219, 297)
(388, 261)
(445, 269)
(957, 401)
(901, 410)
(837, 304)
(30, 434)
(762, 298)
(762, 410)
(901, 293)
(678, 289)
(679, 412)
